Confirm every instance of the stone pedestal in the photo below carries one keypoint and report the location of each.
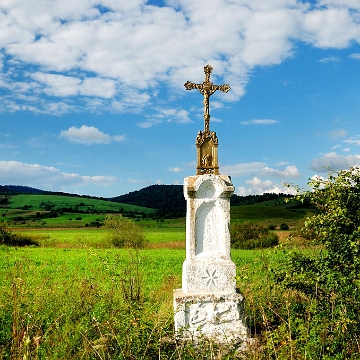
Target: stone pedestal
(208, 304)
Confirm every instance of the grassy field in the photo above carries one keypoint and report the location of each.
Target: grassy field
(73, 303)
(52, 211)
(85, 204)
(76, 297)
(97, 237)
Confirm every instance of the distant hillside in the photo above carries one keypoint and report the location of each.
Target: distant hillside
(237, 200)
(168, 199)
(17, 189)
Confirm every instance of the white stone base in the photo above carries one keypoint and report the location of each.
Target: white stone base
(218, 317)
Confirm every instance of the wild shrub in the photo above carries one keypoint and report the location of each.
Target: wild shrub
(284, 226)
(330, 280)
(7, 237)
(272, 227)
(124, 232)
(252, 235)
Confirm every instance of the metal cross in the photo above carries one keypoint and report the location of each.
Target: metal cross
(207, 88)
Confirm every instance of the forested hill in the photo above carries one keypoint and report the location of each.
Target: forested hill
(237, 200)
(170, 199)
(17, 189)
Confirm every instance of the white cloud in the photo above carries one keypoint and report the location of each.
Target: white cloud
(169, 115)
(353, 4)
(47, 178)
(355, 56)
(243, 169)
(330, 27)
(259, 122)
(353, 140)
(258, 187)
(175, 169)
(334, 161)
(63, 86)
(69, 49)
(89, 135)
(330, 59)
(260, 170)
(290, 172)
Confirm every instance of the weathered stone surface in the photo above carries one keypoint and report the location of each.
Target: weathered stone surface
(208, 266)
(218, 317)
(208, 304)
(208, 276)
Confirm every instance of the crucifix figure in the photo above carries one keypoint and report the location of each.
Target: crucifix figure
(207, 141)
(207, 88)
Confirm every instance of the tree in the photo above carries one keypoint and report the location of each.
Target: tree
(330, 279)
(124, 232)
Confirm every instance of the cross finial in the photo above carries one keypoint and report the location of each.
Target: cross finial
(207, 88)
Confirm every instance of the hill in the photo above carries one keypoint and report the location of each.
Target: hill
(17, 189)
(44, 210)
(168, 199)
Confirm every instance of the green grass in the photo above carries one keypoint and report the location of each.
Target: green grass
(97, 237)
(84, 204)
(261, 212)
(69, 303)
(67, 298)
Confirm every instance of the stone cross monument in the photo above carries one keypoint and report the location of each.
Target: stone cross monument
(208, 305)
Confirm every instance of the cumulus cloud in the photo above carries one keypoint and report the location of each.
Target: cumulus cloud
(47, 178)
(259, 182)
(64, 86)
(244, 169)
(334, 161)
(259, 122)
(260, 169)
(355, 56)
(89, 135)
(60, 50)
(258, 187)
(166, 114)
(290, 172)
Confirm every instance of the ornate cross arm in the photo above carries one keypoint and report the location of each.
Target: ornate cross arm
(207, 88)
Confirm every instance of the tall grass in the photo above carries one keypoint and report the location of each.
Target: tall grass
(92, 303)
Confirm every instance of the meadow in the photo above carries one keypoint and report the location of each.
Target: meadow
(74, 296)
(85, 303)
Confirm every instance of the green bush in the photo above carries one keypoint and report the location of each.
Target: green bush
(124, 232)
(7, 237)
(252, 235)
(284, 227)
(272, 227)
(330, 281)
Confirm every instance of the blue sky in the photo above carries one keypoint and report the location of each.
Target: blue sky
(93, 102)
